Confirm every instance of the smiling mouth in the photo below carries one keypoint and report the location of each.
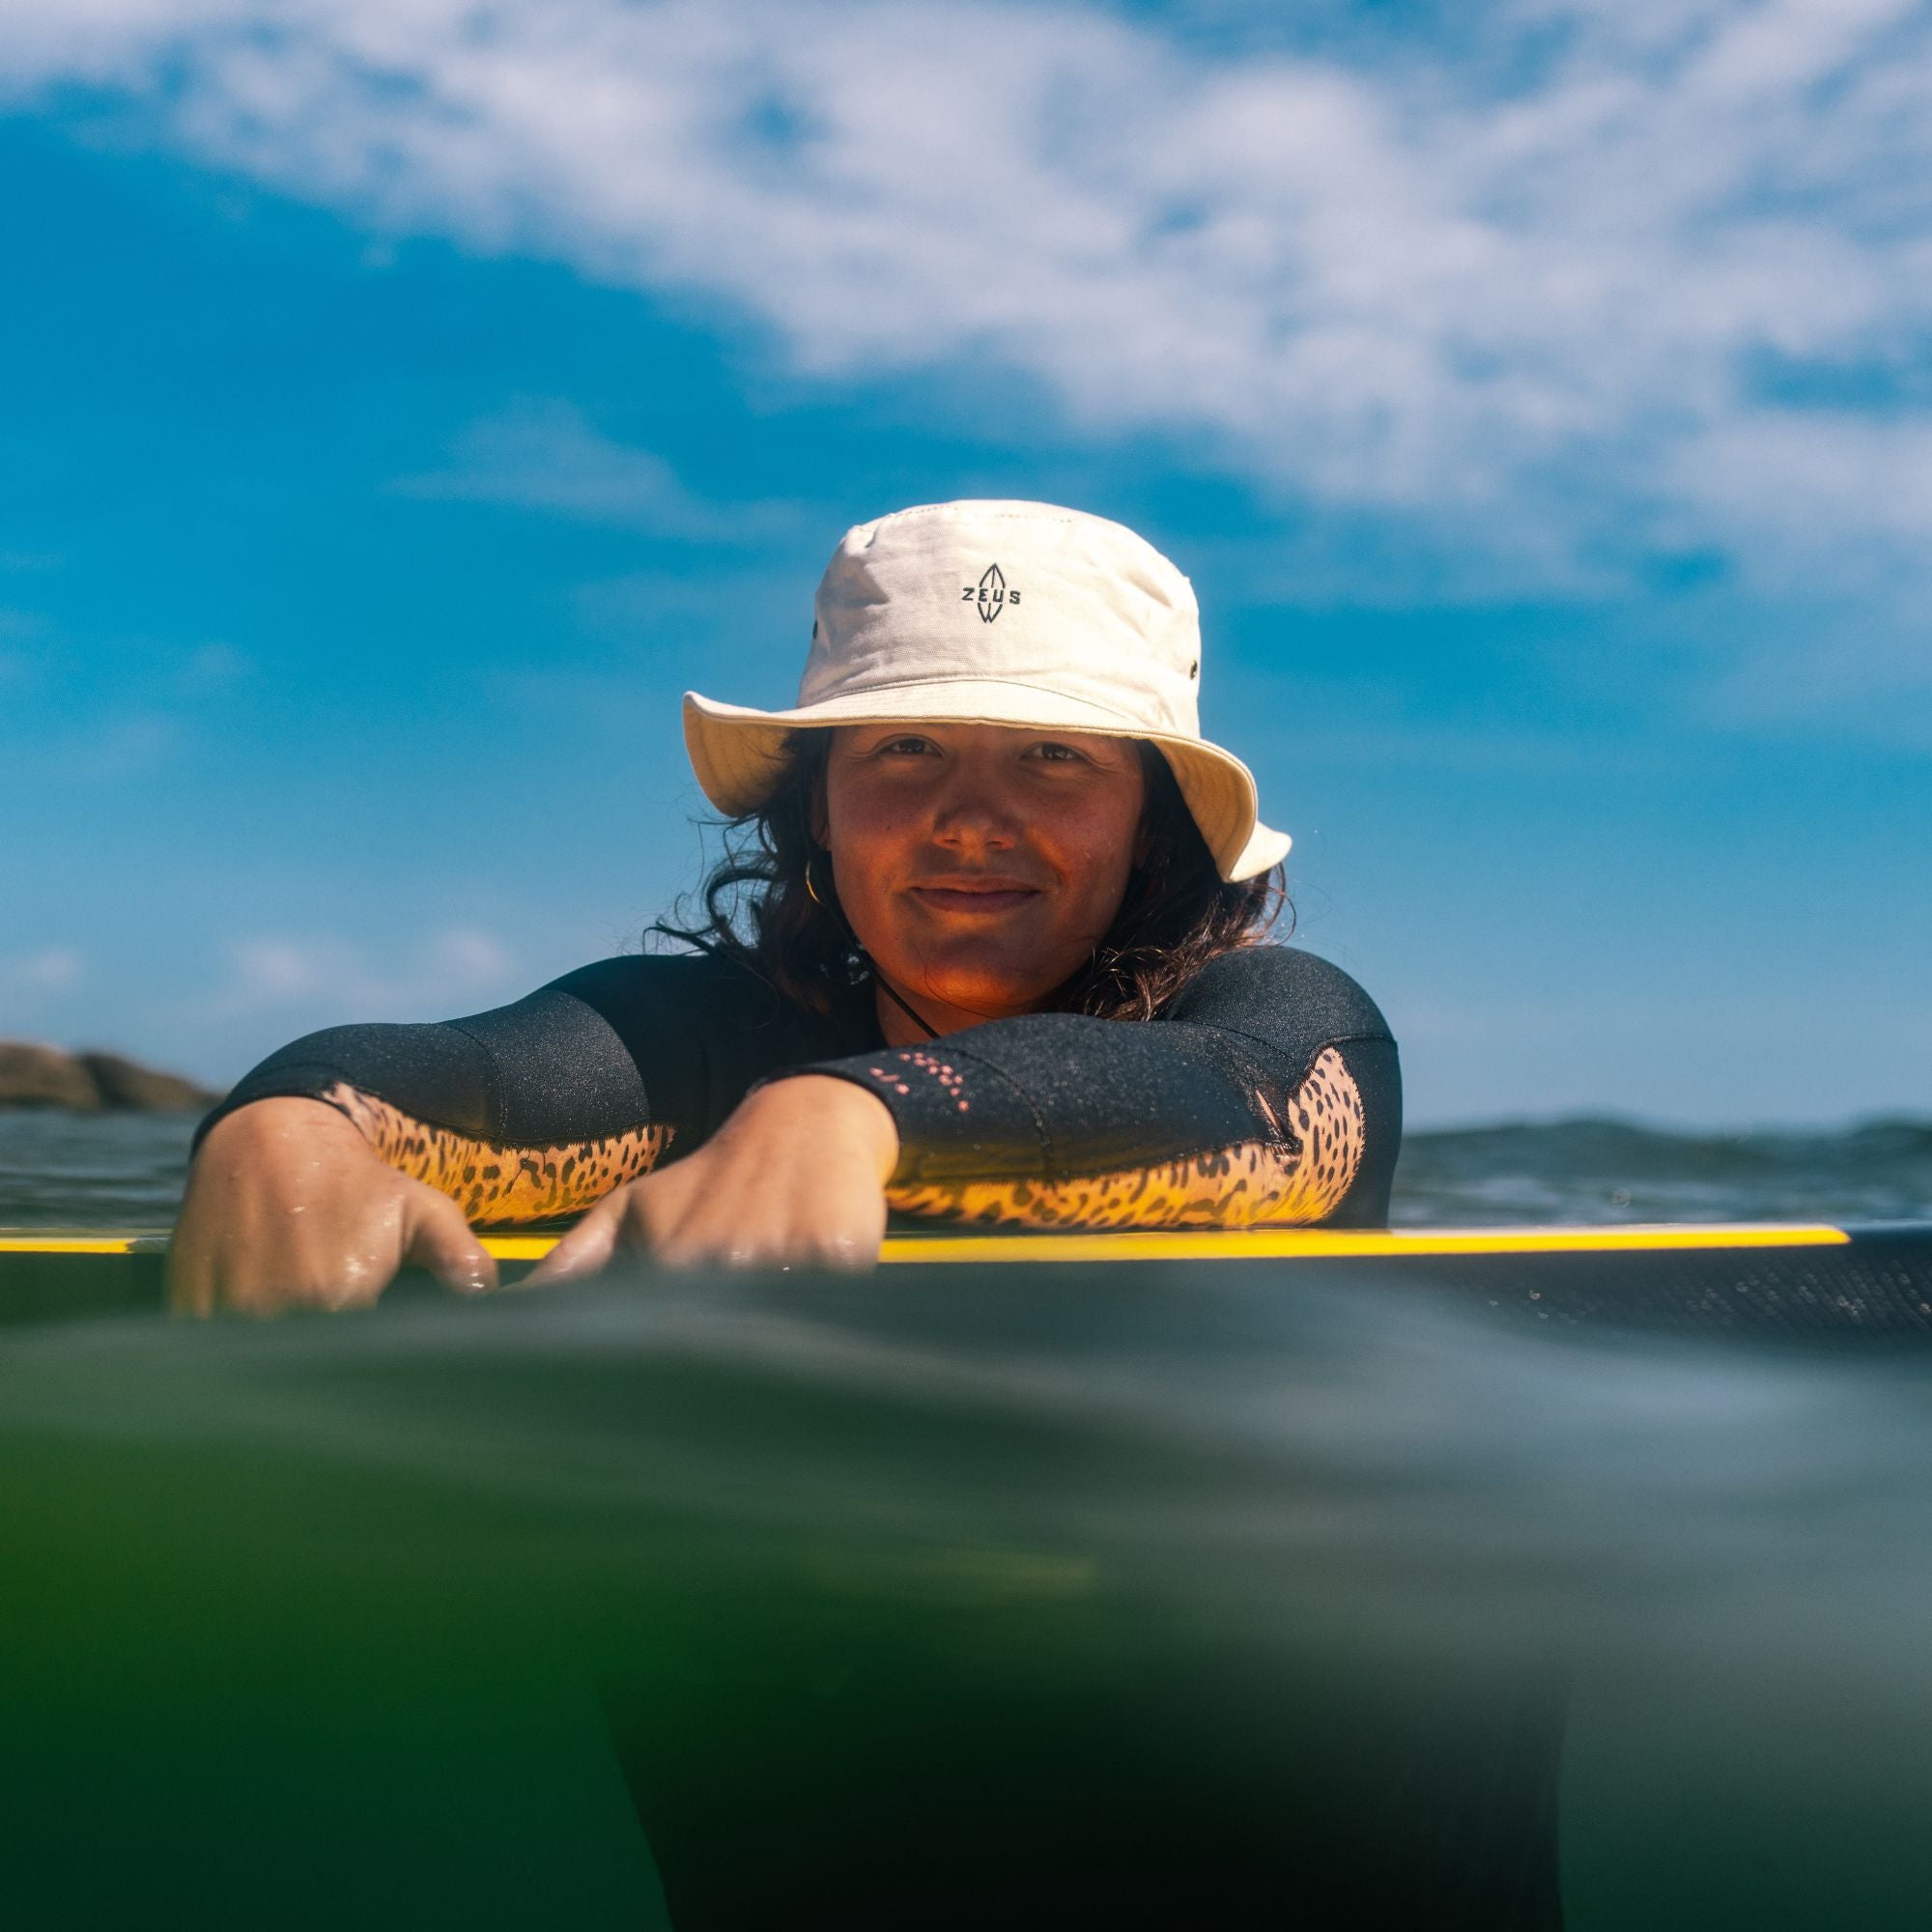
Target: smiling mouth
(987, 898)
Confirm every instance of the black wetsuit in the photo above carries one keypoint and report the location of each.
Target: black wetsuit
(1042, 1120)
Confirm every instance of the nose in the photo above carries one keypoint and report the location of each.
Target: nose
(973, 815)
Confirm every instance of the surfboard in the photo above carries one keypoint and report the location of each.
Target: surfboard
(1141, 1245)
(1797, 1278)
(1197, 1531)
(1235, 1572)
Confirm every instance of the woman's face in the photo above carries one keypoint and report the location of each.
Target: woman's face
(980, 865)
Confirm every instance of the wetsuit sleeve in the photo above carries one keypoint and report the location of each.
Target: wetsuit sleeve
(1269, 1092)
(540, 1108)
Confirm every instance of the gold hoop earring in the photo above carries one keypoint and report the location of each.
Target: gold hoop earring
(811, 890)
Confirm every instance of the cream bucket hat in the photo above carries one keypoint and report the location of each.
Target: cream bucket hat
(999, 613)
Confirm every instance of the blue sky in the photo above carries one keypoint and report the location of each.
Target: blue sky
(401, 404)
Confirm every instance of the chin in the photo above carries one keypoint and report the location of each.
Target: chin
(982, 988)
(986, 1002)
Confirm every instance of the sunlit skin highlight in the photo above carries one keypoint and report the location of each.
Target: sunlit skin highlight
(979, 865)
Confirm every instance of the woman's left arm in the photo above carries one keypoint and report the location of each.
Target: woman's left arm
(1269, 1092)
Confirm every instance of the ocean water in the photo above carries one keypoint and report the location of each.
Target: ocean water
(61, 1170)
(1158, 1594)
(79, 1171)
(805, 1601)
(1611, 1171)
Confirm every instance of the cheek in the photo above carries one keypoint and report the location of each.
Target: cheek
(862, 840)
(1098, 851)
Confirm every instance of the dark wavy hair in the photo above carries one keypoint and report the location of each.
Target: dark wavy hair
(1178, 911)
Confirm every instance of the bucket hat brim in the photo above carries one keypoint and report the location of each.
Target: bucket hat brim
(740, 757)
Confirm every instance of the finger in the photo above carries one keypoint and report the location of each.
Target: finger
(584, 1250)
(852, 1254)
(190, 1287)
(442, 1242)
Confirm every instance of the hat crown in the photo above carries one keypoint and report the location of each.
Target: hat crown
(1018, 593)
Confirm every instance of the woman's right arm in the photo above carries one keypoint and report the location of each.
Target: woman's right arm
(358, 1151)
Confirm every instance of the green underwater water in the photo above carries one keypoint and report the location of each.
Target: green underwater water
(1122, 1596)
(1135, 1597)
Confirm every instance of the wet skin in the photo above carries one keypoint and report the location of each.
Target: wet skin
(979, 866)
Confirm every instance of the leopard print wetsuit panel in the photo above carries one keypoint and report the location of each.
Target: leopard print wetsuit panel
(502, 1184)
(1298, 1178)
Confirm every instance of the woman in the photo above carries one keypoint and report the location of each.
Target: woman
(999, 964)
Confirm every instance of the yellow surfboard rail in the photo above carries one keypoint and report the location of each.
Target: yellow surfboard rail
(1176, 1244)
(1291, 1243)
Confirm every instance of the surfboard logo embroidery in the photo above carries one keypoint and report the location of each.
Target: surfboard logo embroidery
(990, 594)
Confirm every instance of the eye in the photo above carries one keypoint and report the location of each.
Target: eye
(1055, 753)
(908, 745)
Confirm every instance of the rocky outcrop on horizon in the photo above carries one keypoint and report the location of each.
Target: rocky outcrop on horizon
(31, 1075)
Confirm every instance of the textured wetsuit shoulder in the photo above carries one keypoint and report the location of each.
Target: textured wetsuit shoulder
(1269, 1090)
(667, 1038)
(1296, 1000)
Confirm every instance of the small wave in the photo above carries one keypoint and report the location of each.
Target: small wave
(1611, 1170)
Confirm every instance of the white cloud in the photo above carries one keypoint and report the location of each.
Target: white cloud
(47, 969)
(271, 969)
(543, 455)
(118, 750)
(1518, 292)
(470, 959)
(329, 979)
(214, 668)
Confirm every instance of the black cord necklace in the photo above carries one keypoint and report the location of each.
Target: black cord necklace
(879, 979)
(898, 1000)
